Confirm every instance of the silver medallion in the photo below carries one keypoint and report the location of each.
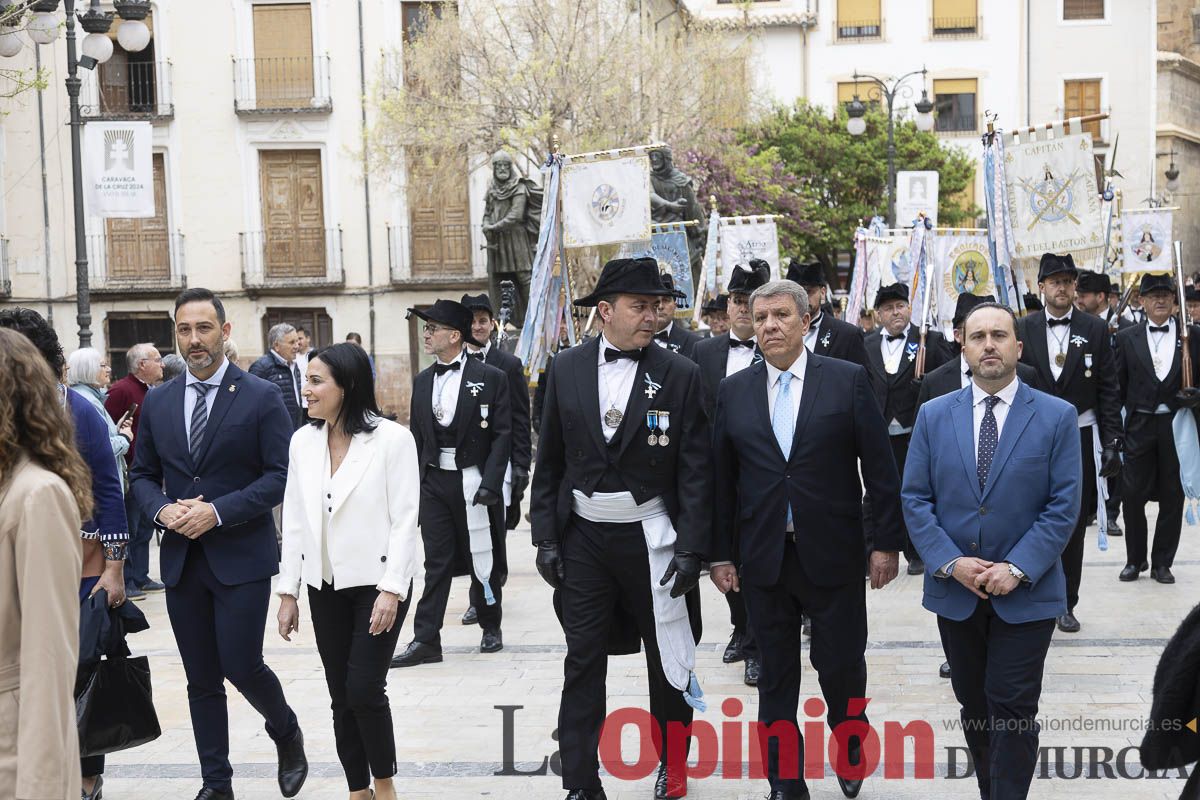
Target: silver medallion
(1060, 359)
(613, 417)
(438, 413)
(483, 423)
(663, 441)
(1087, 373)
(652, 440)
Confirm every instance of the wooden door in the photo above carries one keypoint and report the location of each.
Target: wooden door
(283, 56)
(441, 230)
(293, 213)
(140, 249)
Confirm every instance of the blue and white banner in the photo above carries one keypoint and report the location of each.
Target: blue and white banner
(1146, 240)
(744, 238)
(669, 246)
(545, 311)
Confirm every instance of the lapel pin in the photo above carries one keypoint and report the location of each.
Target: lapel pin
(475, 388)
(651, 386)
(231, 387)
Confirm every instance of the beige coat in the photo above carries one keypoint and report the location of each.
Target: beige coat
(39, 636)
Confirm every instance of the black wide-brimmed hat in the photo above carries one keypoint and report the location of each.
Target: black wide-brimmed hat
(1054, 264)
(966, 301)
(718, 303)
(452, 315)
(478, 302)
(1156, 283)
(808, 273)
(668, 282)
(1191, 295)
(627, 276)
(897, 291)
(1092, 281)
(745, 280)
(1032, 302)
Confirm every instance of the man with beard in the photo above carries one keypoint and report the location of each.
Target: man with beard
(211, 463)
(511, 216)
(673, 199)
(671, 334)
(1070, 349)
(827, 335)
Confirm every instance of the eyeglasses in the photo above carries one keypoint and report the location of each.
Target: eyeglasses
(431, 329)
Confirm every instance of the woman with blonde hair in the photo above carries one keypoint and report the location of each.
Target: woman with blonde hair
(45, 491)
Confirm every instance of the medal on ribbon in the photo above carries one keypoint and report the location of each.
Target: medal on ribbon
(652, 424)
(652, 387)
(664, 422)
(483, 415)
(475, 388)
(1087, 363)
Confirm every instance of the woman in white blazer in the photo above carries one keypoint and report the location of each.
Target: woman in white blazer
(350, 534)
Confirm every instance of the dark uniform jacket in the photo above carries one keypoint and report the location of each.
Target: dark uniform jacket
(270, 368)
(518, 389)
(947, 379)
(1140, 388)
(897, 394)
(680, 340)
(712, 356)
(838, 339)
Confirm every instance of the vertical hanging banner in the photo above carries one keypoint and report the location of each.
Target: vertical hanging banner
(744, 238)
(545, 304)
(606, 202)
(668, 245)
(1146, 240)
(119, 169)
(916, 193)
(880, 268)
(961, 264)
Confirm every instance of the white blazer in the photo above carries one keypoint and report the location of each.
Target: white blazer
(372, 536)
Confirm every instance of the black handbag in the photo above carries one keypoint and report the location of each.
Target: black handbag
(114, 703)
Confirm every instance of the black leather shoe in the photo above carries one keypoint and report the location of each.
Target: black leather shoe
(1115, 530)
(733, 650)
(1068, 624)
(293, 765)
(916, 566)
(944, 670)
(584, 794)
(492, 642)
(751, 672)
(214, 794)
(851, 788)
(469, 617)
(417, 653)
(1130, 573)
(805, 625)
(671, 785)
(1162, 575)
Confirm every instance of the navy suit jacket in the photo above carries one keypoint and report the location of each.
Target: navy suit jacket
(838, 428)
(242, 470)
(1025, 514)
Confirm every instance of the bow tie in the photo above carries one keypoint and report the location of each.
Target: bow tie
(897, 337)
(477, 356)
(441, 369)
(661, 336)
(612, 354)
(1160, 328)
(1051, 322)
(746, 343)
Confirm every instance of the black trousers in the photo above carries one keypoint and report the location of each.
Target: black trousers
(219, 632)
(356, 668)
(900, 452)
(605, 566)
(996, 671)
(1151, 469)
(1072, 557)
(737, 618)
(838, 647)
(444, 533)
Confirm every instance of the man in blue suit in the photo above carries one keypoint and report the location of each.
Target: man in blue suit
(211, 463)
(991, 493)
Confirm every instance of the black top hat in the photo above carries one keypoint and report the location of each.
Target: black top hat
(897, 291)
(1032, 303)
(1090, 281)
(718, 303)
(1053, 264)
(1151, 282)
(478, 302)
(808, 273)
(452, 315)
(967, 301)
(746, 280)
(1191, 295)
(628, 276)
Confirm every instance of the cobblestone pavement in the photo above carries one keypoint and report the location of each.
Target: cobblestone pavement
(450, 737)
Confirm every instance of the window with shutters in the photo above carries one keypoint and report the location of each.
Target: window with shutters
(123, 330)
(859, 19)
(955, 18)
(865, 91)
(1081, 98)
(314, 320)
(284, 73)
(140, 252)
(955, 104)
(129, 85)
(1082, 9)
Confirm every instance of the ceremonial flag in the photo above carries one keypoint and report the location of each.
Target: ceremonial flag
(858, 283)
(1146, 240)
(668, 246)
(960, 263)
(880, 267)
(606, 202)
(711, 245)
(540, 330)
(1010, 287)
(744, 238)
(918, 259)
(120, 170)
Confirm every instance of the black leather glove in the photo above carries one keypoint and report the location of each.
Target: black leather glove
(1189, 398)
(685, 568)
(485, 498)
(549, 563)
(520, 482)
(1110, 461)
(513, 517)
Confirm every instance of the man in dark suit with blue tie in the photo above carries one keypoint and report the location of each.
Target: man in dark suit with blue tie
(991, 494)
(790, 436)
(211, 463)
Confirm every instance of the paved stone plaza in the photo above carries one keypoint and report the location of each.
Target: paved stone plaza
(449, 736)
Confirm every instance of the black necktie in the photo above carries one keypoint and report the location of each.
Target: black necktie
(746, 343)
(968, 372)
(897, 337)
(477, 356)
(612, 354)
(1160, 328)
(988, 436)
(1051, 322)
(441, 369)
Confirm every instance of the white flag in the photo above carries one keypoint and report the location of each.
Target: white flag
(744, 238)
(606, 202)
(119, 169)
(1146, 240)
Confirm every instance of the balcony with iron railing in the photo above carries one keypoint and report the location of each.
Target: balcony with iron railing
(436, 255)
(955, 27)
(5, 279)
(859, 30)
(139, 90)
(136, 262)
(292, 258)
(292, 84)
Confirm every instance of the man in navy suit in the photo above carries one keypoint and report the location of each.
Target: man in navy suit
(211, 463)
(790, 436)
(991, 494)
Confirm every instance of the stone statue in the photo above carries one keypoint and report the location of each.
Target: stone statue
(511, 217)
(673, 199)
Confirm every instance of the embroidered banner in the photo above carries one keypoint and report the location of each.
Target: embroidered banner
(670, 248)
(1146, 240)
(744, 238)
(960, 264)
(606, 202)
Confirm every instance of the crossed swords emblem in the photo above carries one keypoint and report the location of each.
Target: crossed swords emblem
(1050, 197)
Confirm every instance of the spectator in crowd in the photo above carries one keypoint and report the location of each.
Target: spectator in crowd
(304, 342)
(354, 337)
(231, 350)
(278, 365)
(89, 374)
(173, 366)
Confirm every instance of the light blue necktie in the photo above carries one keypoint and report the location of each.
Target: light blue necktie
(783, 421)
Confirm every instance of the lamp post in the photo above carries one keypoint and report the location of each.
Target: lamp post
(880, 89)
(42, 28)
(1172, 185)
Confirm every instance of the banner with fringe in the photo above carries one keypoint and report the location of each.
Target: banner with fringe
(546, 306)
(669, 247)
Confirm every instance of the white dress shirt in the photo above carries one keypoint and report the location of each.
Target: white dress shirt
(302, 363)
(797, 387)
(210, 397)
(615, 384)
(739, 357)
(660, 342)
(483, 349)
(1058, 339)
(810, 338)
(963, 369)
(445, 390)
(892, 351)
(1162, 348)
(1006, 395)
